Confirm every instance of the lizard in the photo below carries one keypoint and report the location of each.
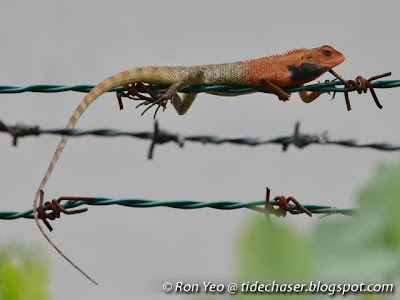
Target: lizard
(275, 72)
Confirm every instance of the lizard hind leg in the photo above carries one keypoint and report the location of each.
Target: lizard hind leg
(134, 94)
(193, 77)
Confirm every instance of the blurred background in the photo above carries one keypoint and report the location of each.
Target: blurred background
(131, 252)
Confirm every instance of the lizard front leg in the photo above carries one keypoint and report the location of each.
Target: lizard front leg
(273, 88)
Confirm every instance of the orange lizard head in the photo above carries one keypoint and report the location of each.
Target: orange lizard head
(324, 56)
(309, 64)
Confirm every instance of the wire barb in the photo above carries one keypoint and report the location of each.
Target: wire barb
(301, 140)
(361, 85)
(161, 137)
(19, 131)
(284, 206)
(57, 208)
(332, 212)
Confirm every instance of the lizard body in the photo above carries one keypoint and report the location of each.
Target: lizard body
(293, 68)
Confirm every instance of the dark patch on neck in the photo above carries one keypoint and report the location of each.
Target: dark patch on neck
(306, 71)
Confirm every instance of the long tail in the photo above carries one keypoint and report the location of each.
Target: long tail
(146, 74)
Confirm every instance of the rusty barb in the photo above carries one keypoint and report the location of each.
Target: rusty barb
(57, 208)
(283, 203)
(361, 85)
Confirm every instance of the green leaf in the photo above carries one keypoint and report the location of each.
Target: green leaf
(23, 273)
(381, 198)
(366, 247)
(275, 252)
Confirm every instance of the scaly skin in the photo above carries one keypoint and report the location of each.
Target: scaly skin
(293, 68)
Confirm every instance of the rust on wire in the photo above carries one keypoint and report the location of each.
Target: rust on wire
(361, 85)
(283, 203)
(57, 208)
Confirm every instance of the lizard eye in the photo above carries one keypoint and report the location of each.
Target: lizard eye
(327, 52)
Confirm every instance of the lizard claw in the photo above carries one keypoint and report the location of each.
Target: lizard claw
(161, 102)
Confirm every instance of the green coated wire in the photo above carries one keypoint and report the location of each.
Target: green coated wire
(230, 89)
(181, 204)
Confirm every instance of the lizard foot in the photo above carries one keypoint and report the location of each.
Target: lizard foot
(284, 97)
(274, 89)
(135, 92)
(161, 102)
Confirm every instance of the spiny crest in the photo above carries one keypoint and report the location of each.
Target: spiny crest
(280, 55)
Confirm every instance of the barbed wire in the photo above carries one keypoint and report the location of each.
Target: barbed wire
(182, 204)
(158, 136)
(333, 86)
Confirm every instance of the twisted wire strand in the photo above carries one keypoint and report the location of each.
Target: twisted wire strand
(333, 86)
(178, 204)
(159, 136)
